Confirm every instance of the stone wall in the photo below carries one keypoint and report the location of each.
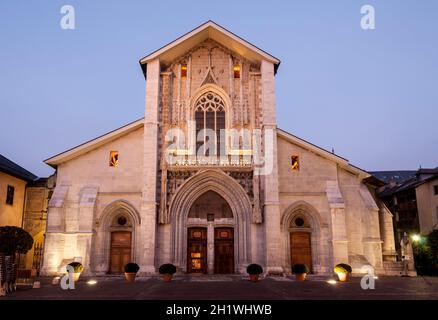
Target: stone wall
(86, 185)
(346, 217)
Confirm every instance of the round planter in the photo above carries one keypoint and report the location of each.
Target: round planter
(300, 276)
(130, 276)
(167, 277)
(254, 277)
(343, 277)
(76, 276)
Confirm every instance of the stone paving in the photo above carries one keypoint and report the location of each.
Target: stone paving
(234, 287)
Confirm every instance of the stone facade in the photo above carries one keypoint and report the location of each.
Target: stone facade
(155, 196)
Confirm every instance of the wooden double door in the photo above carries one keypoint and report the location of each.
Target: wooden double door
(120, 250)
(301, 248)
(223, 250)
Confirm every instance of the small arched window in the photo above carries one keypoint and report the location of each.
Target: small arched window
(209, 115)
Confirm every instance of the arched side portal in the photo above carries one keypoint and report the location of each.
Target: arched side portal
(116, 238)
(238, 201)
(303, 234)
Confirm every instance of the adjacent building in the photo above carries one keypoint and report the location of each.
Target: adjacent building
(207, 181)
(14, 180)
(412, 197)
(23, 203)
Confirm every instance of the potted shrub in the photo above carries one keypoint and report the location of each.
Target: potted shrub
(167, 270)
(12, 240)
(77, 270)
(254, 270)
(131, 270)
(343, 271)
(300, 271)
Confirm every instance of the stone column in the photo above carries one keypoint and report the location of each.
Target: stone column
(210, 248)
(339, 236)
(87, 202)
(338, 223)
(270, 174)
(372, 243)
(55, 229)
(387, 233)
(148, 210)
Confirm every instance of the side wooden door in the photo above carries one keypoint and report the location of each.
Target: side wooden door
(301, 248)
(120, 250)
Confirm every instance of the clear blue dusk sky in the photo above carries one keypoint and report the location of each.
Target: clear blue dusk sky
(372, 95)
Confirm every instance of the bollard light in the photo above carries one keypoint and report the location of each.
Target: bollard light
(331, 281)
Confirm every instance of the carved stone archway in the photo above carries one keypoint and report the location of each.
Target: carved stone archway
(236, 197)
(314, 225)
(103, 228)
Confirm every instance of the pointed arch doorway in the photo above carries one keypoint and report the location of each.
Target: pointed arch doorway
(302, 229)
(210, 235)
(236, 214)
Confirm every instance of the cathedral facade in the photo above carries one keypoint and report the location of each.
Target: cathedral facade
(207, 181)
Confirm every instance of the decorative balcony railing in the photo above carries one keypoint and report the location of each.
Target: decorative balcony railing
(227, 161)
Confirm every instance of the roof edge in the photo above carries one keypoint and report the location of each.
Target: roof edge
(324, 153)
(13, 169)
(93, 143)
(210, 23)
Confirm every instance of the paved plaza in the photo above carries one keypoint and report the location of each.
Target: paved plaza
(233, 287)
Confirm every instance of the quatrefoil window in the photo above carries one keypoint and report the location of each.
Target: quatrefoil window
(210, 102)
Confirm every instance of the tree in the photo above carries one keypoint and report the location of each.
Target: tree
(433, 241)
(14, 240)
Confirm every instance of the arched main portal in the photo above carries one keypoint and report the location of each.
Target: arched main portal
(211, 212)
(210, 235)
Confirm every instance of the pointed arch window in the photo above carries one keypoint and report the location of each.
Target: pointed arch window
(210, 114)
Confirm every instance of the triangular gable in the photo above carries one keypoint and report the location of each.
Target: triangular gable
(94, 143)
(208, 30)
(342, 162)
(209, 78)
